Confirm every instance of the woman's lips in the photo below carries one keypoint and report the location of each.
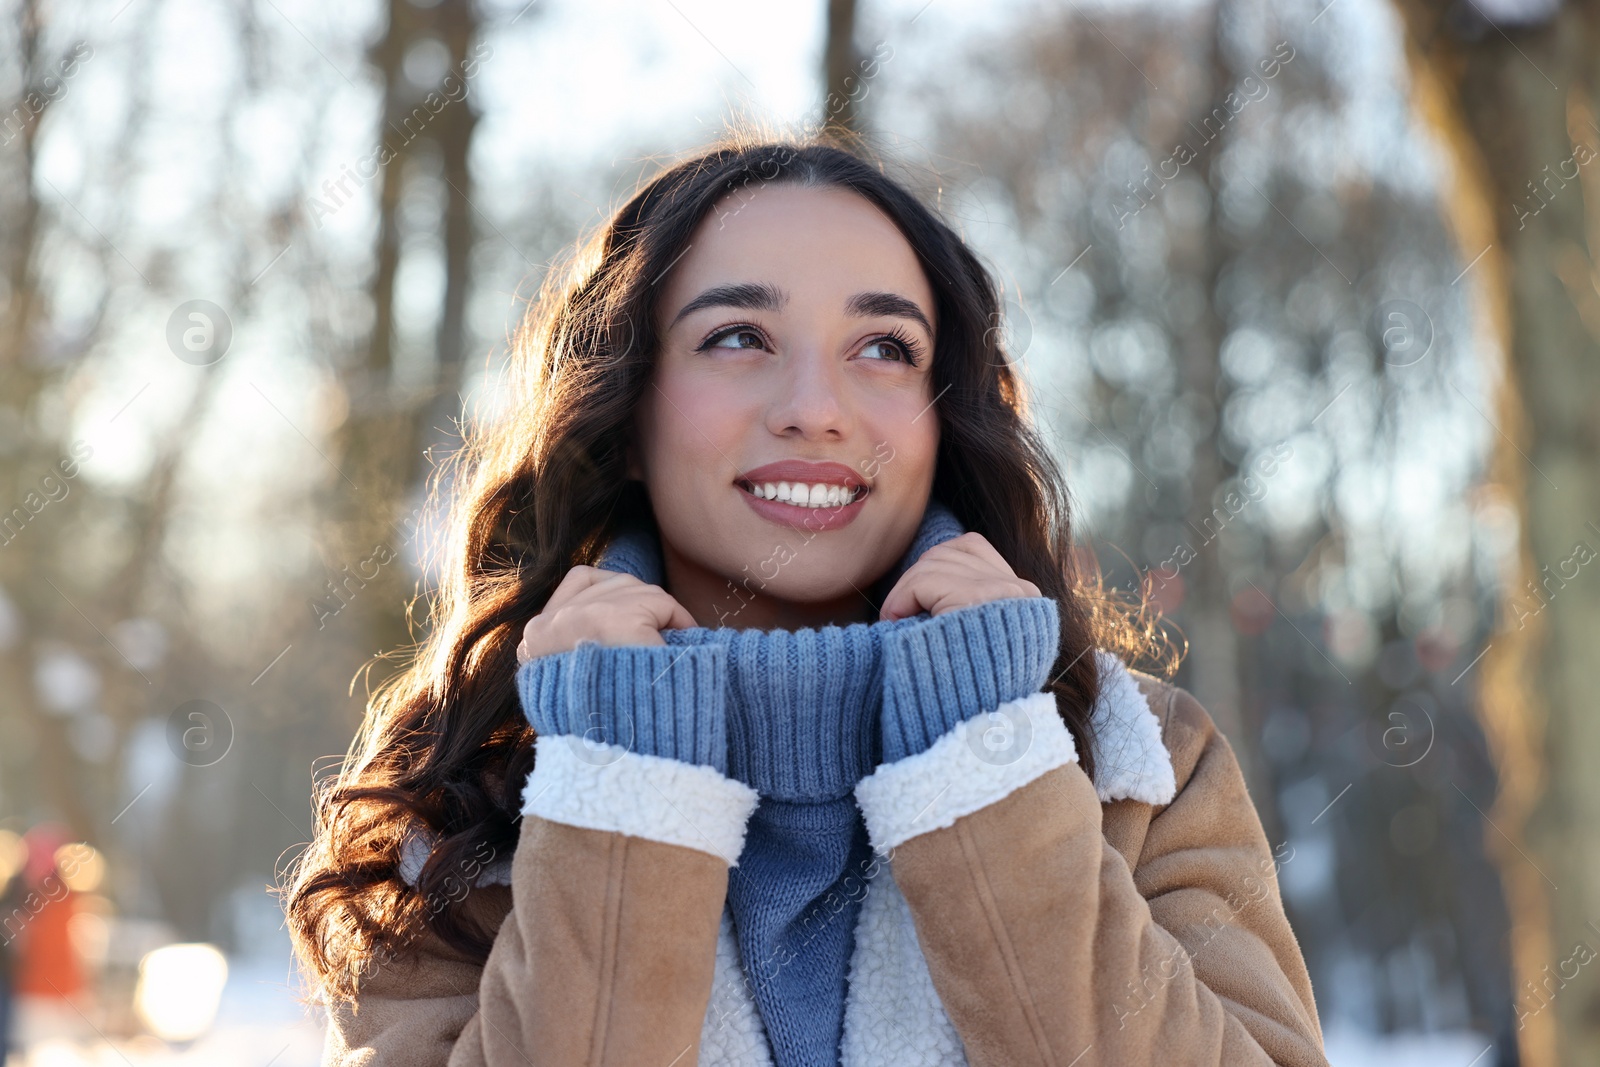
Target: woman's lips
(784, 491)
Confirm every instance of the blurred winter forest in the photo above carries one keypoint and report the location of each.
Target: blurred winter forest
(1305, 293)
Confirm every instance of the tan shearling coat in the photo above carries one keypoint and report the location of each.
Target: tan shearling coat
(1134, 919)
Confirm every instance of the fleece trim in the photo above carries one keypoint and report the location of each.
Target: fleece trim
(418, 845)
(606, 787)
(1130, 760)
(977, 762)
(733, 1033)
(892, 1013)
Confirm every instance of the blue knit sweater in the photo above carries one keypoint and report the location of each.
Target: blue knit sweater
(800, 716)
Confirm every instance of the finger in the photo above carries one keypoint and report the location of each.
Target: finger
(669, 615)
(665, 611)
(973, 558)
(995, 579)
(970, 545)
(937, 594)
(980, 546)
(574, 585)
(680, 618)
(938, 590)
(947, 568)
(579, 579)
(904, 600)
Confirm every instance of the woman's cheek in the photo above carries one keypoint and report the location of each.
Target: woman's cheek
(906, 452)
(692, 422)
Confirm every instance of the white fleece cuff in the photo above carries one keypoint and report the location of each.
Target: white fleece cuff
(600, 786)
(979, 761)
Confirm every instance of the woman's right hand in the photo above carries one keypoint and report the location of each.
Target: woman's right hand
(608, 607)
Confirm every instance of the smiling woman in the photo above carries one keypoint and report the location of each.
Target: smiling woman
(764, 717)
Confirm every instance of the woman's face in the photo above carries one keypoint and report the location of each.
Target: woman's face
(797, 328)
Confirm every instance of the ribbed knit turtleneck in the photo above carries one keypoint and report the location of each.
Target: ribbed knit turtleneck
(801, 716)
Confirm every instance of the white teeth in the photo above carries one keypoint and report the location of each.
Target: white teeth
(819, 495)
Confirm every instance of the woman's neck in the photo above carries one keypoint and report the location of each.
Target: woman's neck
(714, 601)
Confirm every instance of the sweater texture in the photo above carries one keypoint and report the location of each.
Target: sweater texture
(800, 716)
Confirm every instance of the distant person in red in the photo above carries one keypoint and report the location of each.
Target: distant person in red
(47, 962)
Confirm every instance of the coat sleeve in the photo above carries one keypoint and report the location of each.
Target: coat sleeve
(607, 952)
(1047, 948)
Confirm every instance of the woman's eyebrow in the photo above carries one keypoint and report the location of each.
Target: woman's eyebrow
(763, 296)
(893, 304)
(752, 296)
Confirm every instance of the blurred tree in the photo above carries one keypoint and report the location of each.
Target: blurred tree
(1214, 660)
(841, 73)
(25, 454)
(393, 434)
(1510, 89)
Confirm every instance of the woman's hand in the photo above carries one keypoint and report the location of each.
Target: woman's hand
(963, 571)
(611, 608)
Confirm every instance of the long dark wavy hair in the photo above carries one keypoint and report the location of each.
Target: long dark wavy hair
(444, 744)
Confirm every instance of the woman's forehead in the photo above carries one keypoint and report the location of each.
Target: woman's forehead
(819, 244)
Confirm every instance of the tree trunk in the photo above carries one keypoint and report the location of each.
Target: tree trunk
(1214, 643)
(384, 445)
(1514, 107)
(841, 74)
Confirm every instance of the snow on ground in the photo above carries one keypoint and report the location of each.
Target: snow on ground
(1348, 1047)
(260, 1023)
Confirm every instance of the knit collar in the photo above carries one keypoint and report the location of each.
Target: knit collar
(803, 705)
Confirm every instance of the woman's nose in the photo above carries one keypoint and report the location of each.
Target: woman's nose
(809, 396)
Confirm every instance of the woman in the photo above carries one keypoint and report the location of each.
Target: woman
(764, 719)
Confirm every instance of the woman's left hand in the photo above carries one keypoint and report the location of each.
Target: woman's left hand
(963, 571)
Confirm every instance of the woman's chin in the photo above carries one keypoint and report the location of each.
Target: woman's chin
(821, 583)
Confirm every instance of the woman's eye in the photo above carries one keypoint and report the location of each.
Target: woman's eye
(736, 339)
(890, 348)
